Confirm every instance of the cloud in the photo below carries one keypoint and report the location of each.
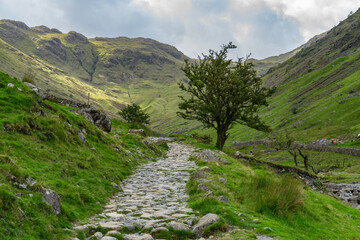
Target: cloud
(260, 27)
(314, 16)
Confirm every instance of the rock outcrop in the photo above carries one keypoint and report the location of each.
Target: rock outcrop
(204, 222)
(53, 199)
(97, 117)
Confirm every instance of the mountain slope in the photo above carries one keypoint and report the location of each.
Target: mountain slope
(318, 89)
(115, 71)
(41, 148)
(264, 65)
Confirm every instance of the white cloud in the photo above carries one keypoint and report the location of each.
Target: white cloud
(165, 8)
(262, 27)
(314, 16)
(32, 12)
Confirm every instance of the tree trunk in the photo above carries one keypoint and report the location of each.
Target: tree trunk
(305, 158)
(294, 154)
(221, 137)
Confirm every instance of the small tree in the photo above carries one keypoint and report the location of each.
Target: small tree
(286, 142)
(133, 113)
(223, 93)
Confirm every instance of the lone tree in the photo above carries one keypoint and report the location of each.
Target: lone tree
(222, 93)
(133, 113)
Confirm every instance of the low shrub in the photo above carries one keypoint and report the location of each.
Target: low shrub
(276, 196)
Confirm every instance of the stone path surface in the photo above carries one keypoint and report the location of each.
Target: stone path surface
(153, 197)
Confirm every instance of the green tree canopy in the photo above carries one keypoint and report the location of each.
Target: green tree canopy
(133, 113)
(222, 93)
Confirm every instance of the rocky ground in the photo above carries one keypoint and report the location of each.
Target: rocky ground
(152, 198)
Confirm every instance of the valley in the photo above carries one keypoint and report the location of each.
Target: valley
(71, 168)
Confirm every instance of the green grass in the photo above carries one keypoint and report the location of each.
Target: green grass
(264, 203)
(41, 141)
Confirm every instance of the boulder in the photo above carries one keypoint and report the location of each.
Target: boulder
(205, 155)
(204, 222)
(178, 226)
(138, 131)
(97, 235)
(204, 188)
(239, 154)
(223, 199)
(206, 169)
(34, 88)
(222, 180)
(53, 199)
(97, 117)
(30, 181)
(11, 85)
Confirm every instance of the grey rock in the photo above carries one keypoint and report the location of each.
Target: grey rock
(204, 222)
(159, 229)
(146, 237)
(238, 154)
(138, 131)
(222, 180)
(148, 143)
(206, 169)
(160, 140)
(53, 199)
(97, 117)
(30, 181)
(108, 238)
(223, 199)
(153, 196)
(204, 188)
(81, 228)
(223, 161)
(11, 85)
(115, 185)
(98, 235)
(178, 226)
(34, 88)
(198, 174)
(130, 227)
(22, 215)
(205, 155)
(22, 186)
(82, 137)
(113, 232)
(19, 89)
(30, 85)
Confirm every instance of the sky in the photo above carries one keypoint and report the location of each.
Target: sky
(261, 28)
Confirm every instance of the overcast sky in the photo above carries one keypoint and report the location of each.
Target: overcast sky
(260, 27)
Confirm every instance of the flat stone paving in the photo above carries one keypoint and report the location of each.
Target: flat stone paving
(153, 196)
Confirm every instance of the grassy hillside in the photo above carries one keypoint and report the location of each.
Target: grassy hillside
(318, 89)
(40, 139)
(262, 202)
(115, 71)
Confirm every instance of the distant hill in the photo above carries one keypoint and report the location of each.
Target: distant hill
(264, 65)
(115, 71)
(317, 82)
(318, 93)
